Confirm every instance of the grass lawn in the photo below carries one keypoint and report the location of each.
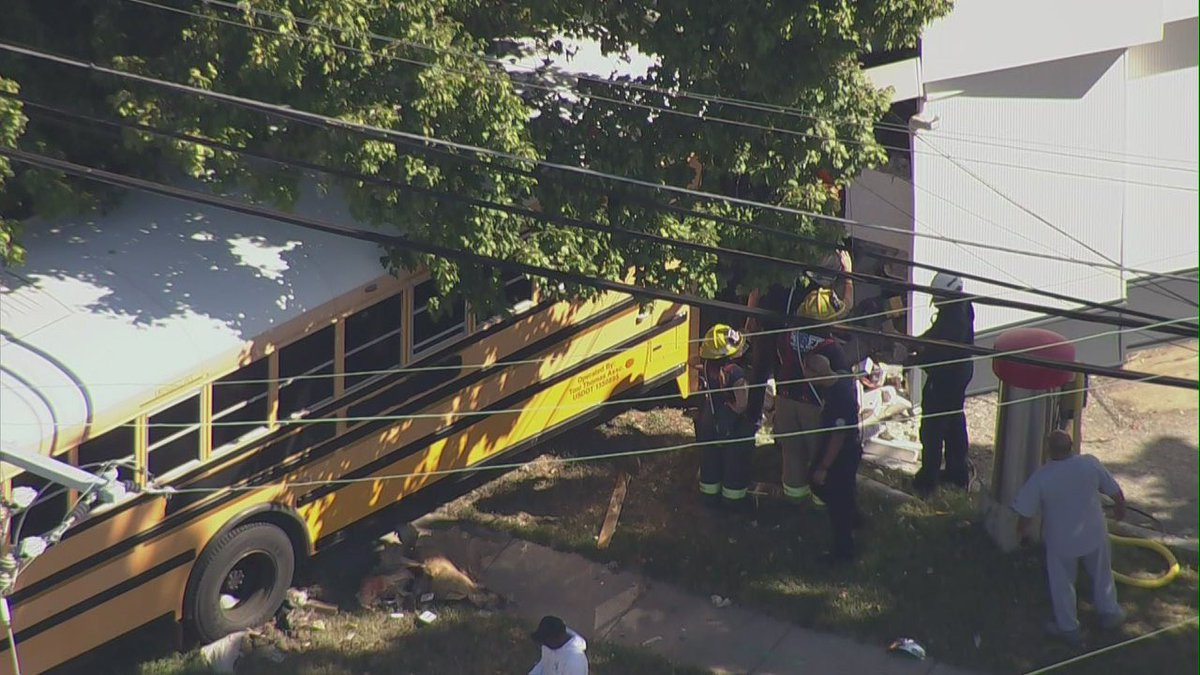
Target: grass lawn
(461, 642)
(928, 569)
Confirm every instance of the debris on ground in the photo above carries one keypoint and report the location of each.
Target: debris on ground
(907, 646)
(412, 572)
(609, 527)
(376, 588)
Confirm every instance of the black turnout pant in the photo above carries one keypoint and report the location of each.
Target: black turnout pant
(943, 432)
(840, 494)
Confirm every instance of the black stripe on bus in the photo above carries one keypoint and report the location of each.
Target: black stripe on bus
(425, 500)
(180, 517)
(429, 498)
(100, 598)
(504, 403)
(196, 479)
(277, 461)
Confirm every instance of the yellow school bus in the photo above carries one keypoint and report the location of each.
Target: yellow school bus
(250, 366)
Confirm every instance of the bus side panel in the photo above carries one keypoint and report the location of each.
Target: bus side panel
(150, 578)
(493, 434)
(113, 588)
(120, 609)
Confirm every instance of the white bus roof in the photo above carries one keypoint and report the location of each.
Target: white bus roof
(111, 311)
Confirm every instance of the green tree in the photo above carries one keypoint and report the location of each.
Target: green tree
(799, 55)
(12, 125)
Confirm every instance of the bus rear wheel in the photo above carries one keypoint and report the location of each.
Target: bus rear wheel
(240, 581)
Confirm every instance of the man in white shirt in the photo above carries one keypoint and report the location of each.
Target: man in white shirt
(562, 649)
(1066, 493)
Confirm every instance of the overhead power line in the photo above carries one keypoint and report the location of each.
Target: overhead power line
(407, 137)
(1031, 213)
(1156, 289)
(457, 414)
(757, 106)
(246, 486)
(1185, 331)
(469, 257)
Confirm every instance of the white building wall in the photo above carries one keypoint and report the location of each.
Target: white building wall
(1161, 123)
(982, 36)
(1020, 131)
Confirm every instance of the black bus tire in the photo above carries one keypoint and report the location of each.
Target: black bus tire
(252, 564)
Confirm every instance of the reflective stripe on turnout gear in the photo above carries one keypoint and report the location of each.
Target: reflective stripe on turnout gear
(710, 488)
(796, 492)
(733, 494)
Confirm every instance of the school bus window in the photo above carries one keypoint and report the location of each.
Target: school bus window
(518, 290)
(312, 355)
(174, 436)
(518, 294)
(428, 331)
(47, 511)
(239, 404)
(114, 445)
(374, 340)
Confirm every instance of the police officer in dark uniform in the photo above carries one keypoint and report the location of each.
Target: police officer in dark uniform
(943, 422)
(835, 467)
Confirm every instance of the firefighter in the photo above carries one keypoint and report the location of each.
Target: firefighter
(725, 467)
(797, 405)
(943, 422)
(797, 416)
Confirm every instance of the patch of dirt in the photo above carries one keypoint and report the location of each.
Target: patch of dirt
(767, 558)
(1145, 434)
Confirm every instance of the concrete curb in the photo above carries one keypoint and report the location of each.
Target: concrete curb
(884, 489)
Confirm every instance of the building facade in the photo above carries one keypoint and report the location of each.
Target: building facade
(1065, 130)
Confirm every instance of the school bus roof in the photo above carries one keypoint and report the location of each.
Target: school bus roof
(112, 311)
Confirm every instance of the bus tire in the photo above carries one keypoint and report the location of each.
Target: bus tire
(240, 581)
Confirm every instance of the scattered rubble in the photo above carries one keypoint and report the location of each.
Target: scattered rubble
(412, 573)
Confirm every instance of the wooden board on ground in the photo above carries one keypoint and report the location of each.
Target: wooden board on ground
(614, 511)
(767, 490)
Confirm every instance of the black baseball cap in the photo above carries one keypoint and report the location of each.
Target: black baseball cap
(550, 631)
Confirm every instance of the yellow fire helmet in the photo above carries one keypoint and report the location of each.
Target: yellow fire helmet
(822, 304)
(721, 342)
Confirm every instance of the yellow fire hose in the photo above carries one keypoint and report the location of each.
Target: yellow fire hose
(1143, 582)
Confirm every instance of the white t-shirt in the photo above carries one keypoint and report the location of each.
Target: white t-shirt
(1066, 492)
(569, 659)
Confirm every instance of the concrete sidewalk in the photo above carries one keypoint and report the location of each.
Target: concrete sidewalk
(627, 608)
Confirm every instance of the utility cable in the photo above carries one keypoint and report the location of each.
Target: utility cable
(645, 236)
(514, 267)
(983, 259)
(392, 135)
(397, 370)
(1109, 648)
(648, 202)
(989, 263)
(616, 84)
(284, 380)
(458, 414)
(634, 234)
(677, 447)
(1030, 212)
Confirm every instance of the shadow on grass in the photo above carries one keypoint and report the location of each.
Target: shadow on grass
(928, 569)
